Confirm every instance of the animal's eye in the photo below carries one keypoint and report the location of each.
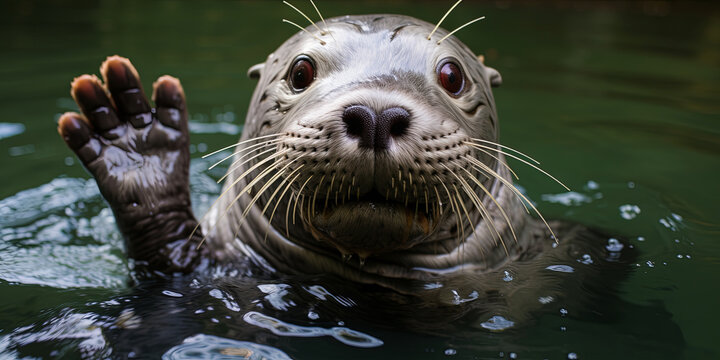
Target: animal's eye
(451, 77)
(302, 74)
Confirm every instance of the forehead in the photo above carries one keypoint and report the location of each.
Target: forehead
(364, 43)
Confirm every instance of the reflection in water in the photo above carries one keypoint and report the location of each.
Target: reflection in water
(203, 346)
(342, 334)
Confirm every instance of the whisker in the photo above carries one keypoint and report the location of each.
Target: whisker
(282, 195)
(240, 143)
(317, 187)
(479, 205)
(300, 193)
(305, 30)
(487, 193)
(222, 195)
(305, 16)
(513, 189)
(247, 150)
(233, 168)
(241, 177)
(507, 148)
(443, 19)
(521, 160)
(452, 207)
(454, 31)
(327, 31)
(500, 161)
(327, 196)
(263, 189)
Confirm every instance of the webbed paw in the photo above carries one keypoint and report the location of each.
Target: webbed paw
(138, 154)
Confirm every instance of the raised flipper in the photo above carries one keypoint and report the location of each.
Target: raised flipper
(139, 157)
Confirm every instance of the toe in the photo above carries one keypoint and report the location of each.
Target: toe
(79, 137)
(123, 82)
(95, 104)
(169, 99)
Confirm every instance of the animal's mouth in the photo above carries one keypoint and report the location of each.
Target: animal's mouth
(372, 223)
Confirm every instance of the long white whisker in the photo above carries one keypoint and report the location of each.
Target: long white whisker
(240, 143)
(247, 151)
(513, 189)
(521, 160)
(487, 193)
(456, 30)
(443, 19)
(233, 168)
(507, 148)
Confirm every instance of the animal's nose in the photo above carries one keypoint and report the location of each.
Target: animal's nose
(373, 130)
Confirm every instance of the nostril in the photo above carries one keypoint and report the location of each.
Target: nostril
(360, 122)
(399, 120)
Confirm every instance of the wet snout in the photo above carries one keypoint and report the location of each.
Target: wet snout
(372, 130)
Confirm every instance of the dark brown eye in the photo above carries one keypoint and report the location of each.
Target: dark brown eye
(302, 74)
(451, 78)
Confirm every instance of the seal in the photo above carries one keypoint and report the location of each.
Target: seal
(370, 151)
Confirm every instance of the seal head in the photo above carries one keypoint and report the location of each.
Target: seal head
(365, 147)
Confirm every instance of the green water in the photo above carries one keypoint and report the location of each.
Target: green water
(621, 102)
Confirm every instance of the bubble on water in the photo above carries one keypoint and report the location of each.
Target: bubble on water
(650, 263)
(614, 245)
(312, 315)
(450, 352)
(591, 185)
(629, 212)
(513, 355)
(172, 293)
(586, 259)
(497, 323)
(561, 268)
(572, 356)
(507, 277)
(563, 312)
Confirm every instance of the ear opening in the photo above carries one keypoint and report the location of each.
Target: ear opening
(255, 71)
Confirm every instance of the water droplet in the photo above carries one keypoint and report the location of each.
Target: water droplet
(615, 245)
(561, 268)
(546, 299)
(629, 212)
(586, 259)
(497, 323)
(172, 294)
